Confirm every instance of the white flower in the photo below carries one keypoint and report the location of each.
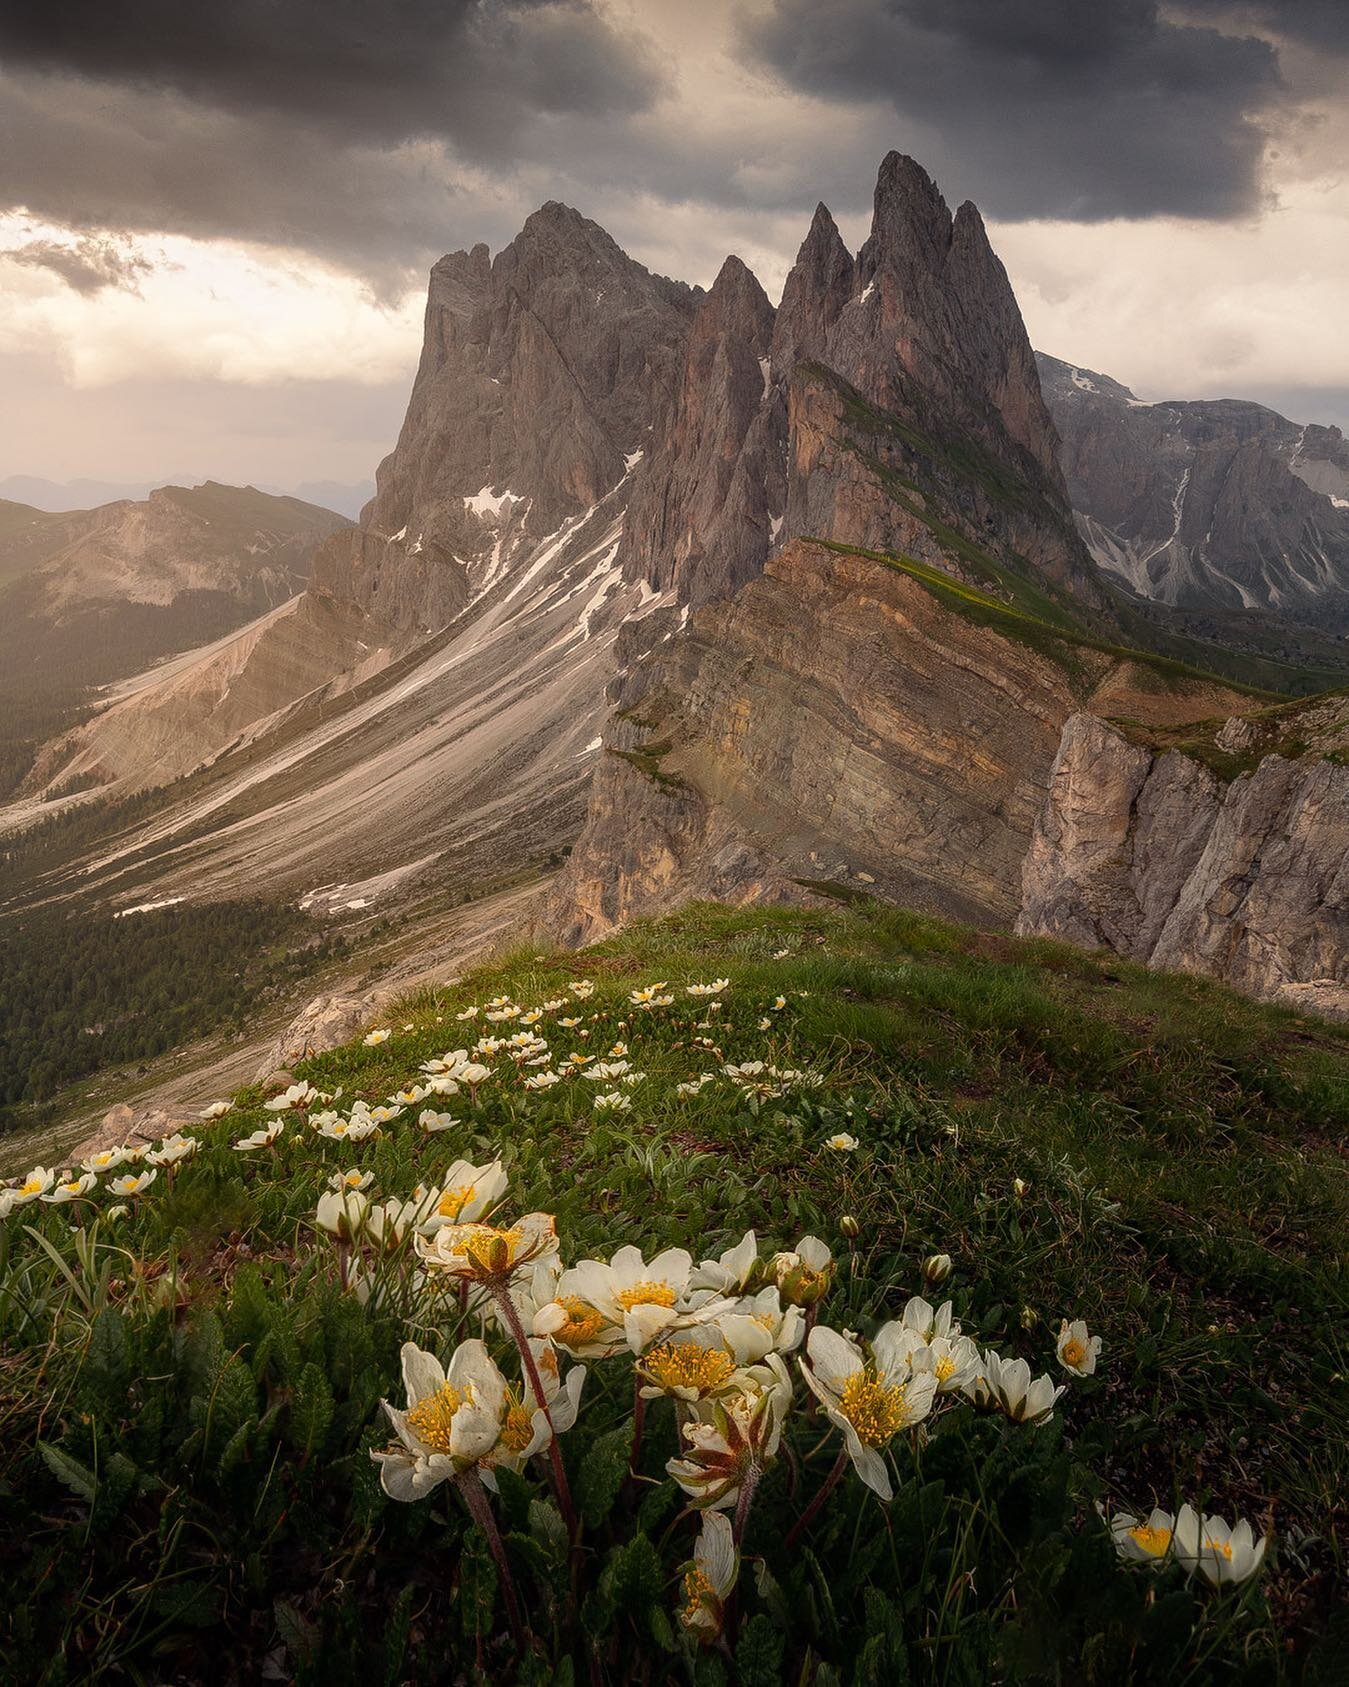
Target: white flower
(357, 1180)
(762, 1327)
(543, 1080)
(695, 1086)
(569, 1024)
(173, 1149)
(554, 1003)
(919, 1317)
(259, 1139)
(453, 1419)
(298, 1095)
(467, 1194)
(431, 1121)
(1077, 1351)
(31, 1188)
(640, 1297)
(955, 1363)
(803, 1276)
(373, 1039)
(870, 1402)
(687, 1365)
(132, 1184)
(1142, 1541)
(342, 1213)
(842, 1142)
(384, 1114)
(710, 1577)
(765, 1024)
(1005, 1385)
(713, 989)
(646, 996)
(499, 1015)
(71, 1190)
(114, 1213)
(215, 1110)
(612, 1101)
(729, 1274)
(106, 1160)
(473, 1074)
(605, 1069)
(488, 1253)
(1223, 1556)
(731, 1433)
(468, 1013)
(582, 988)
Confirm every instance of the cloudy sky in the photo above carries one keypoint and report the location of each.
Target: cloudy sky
(215, 222)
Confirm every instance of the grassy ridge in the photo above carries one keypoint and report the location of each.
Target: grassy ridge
(1184, 1193)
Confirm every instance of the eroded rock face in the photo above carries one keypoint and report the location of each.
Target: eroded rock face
(833, 722)
(1152, 854)
(1209, 504)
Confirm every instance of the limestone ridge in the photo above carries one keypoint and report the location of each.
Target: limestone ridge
(1206, 505)
(1227, 853)
(539, 374)
(892, 396)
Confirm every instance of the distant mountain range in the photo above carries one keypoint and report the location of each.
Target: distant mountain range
(764, 604)
(346, 498)
(1210, 504)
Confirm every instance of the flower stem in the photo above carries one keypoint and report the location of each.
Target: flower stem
(808, 1516)
(748, 1484)
(501, 1292)
(638, 1421)
(480, 1509)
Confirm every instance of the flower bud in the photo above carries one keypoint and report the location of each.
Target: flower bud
(1020, 1188)
(1029, 1317)
(936, 1269)
(850, 1227)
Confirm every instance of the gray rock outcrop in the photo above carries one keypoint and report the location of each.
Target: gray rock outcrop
(1149, 852)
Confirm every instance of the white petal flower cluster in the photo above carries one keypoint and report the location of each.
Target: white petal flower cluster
(1201, 1544)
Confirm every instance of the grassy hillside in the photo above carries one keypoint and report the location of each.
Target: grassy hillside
(192, 1388)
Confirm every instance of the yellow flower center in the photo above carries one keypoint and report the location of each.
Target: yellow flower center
(697, 1585)
(945, 1366)
(32, 1187)
(352, 1180)
(684, 1365)
(645, 1293)
(1222, 1548)
(874, 1409)
(518, 1430)
(431, 1419)
(1074, 1352)
(453, 1201)
(583, 1322)
(490, 1249)
(1152, 1541)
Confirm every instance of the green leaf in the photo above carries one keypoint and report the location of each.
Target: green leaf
(656, 1502)
(758, 1656)
(69, 1472)
(601, 1476)
(236, 1448)
(547, 1527)
(396, 1637)
(298, 1636)
(311, 1412)
(477, 1586)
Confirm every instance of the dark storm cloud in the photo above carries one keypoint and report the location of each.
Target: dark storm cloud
(384, 70)
(88, 265)
(1047, 108)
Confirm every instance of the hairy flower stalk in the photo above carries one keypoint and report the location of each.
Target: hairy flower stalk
(510, 1315)
(812, 1511)
(469, 1484)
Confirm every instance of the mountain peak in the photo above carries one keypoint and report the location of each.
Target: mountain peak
(818, 286)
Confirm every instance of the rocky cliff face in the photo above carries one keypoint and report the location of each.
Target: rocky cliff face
(1213, 504)
(841, 724)
(1223, 852)
(882, 702)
